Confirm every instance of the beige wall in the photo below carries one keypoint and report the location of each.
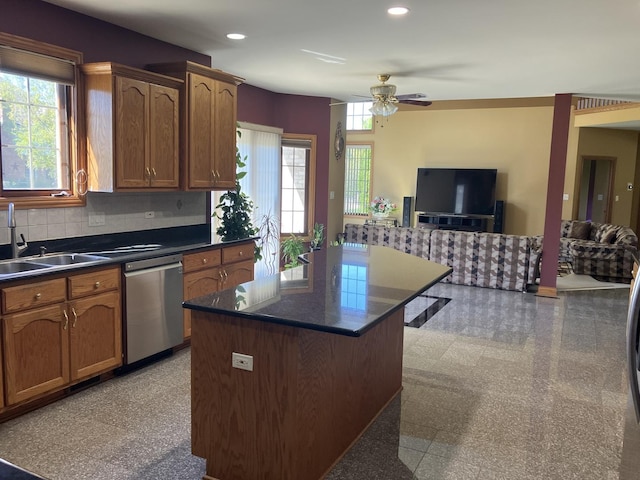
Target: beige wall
(623, 146)
(514, 137)
(336, 177)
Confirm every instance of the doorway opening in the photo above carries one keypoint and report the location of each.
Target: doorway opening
(596, 189)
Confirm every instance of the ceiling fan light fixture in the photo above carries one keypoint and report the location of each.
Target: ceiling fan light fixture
(383, 108)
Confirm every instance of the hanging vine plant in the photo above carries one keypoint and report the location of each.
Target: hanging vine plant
(234, 211)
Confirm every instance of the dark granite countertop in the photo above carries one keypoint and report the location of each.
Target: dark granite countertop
(344, 290)
(9, 471)
(140, 245)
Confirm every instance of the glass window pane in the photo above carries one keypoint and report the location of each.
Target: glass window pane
(287, 155)
(34, 134)
(42, 92)
(300, 178)
(286, 223)
(287, 177)
(298, 222)
(13, 88)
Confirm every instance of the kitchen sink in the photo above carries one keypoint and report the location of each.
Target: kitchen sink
(9, 268)
(65, 259)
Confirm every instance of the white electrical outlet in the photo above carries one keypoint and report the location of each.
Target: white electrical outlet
(149, 214)
(242, 361)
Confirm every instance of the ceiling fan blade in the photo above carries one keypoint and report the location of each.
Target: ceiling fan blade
(419, 103)
(411, 96)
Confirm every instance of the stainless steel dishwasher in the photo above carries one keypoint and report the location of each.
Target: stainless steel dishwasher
(153, 306)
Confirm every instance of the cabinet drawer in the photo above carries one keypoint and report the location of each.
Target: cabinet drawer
(197, 261)
(33, 295)
(94, 282)
(237, 253)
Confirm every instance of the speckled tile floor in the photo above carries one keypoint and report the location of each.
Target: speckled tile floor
(497, 385)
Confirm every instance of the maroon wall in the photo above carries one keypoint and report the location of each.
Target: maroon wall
(294, 114)
(98, 41)
(101, 41)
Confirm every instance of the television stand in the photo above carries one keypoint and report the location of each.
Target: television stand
(454, 222)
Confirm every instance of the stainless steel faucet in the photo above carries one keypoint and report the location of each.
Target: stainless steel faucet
(16, 249)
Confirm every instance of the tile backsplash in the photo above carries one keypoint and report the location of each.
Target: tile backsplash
(107, 213)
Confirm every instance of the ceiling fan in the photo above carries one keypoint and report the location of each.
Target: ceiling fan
(385, 98)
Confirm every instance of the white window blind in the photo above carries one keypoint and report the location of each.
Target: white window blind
(261, 147)
(357, 179)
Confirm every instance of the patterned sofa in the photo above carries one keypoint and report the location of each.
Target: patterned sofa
(602, 250)
(507, 262)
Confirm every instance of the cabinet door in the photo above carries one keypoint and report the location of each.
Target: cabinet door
(225, 135)
(237, 273)
(201, 131)
(36, 352)
(1, 379)
(131, 139)
(197, 284)
(95, 334)
(164, 136)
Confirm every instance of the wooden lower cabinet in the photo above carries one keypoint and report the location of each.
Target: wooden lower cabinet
(237, 273)
(36, 352)
(95, 335)
(1, 380)
(215, 269)
(74, 336)
(197, 284)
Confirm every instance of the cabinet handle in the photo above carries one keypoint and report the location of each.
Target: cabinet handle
(153, 172)
(66, 319)
(217, 174)
(147, 172)
(204, 261)
(226, 275)
(75, 317)
(97, 284)
(38, 295)
(213, 175)
(220, 275)
(241, 253)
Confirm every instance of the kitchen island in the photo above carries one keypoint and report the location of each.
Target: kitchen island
(320, 357)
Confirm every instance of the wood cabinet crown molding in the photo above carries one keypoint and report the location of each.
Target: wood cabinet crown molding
(110, 68)
(182, 68)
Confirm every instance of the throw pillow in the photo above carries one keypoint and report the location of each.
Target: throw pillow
(580, 230)
(609, 233)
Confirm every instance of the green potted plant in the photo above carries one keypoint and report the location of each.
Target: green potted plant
(291, 248)
(318, 236)
(234, 211)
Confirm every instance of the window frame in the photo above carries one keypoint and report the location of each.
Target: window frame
(311, 184)
(76, 141)
(359, 144)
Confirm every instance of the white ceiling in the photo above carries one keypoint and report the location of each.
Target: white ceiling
(447, 49)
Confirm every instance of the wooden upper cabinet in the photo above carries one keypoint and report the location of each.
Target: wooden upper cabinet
(208, 132)
(133, 128)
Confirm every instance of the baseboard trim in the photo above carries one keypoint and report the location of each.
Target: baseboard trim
(549, 292)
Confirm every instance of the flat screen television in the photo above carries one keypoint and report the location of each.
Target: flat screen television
(456, 191)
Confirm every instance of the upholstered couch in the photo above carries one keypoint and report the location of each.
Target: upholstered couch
(507, 262)
(602, 250)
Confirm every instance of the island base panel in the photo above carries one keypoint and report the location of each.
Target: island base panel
(310, 396)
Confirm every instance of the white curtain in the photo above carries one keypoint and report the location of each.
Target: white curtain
(261, 147)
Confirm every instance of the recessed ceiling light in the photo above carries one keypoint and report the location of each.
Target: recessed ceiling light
(236, 36)
(398, 11)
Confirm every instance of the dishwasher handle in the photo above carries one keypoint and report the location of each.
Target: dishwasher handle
(153, 262)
